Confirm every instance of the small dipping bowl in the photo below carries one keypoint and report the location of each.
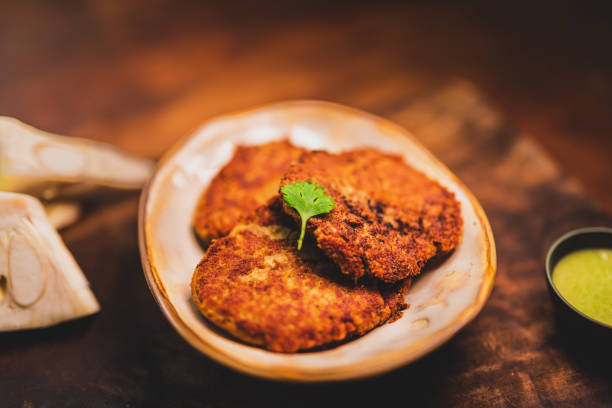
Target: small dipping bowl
(568, 316)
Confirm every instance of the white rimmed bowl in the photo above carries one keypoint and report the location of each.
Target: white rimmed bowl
(443, 300)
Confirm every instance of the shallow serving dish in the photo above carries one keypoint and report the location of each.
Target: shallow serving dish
(443, 300)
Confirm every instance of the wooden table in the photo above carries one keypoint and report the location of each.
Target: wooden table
(141, 75)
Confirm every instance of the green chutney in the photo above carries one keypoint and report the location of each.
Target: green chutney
(584, 279)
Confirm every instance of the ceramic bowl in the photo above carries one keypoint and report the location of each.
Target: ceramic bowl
(443, 300)
(567, 315)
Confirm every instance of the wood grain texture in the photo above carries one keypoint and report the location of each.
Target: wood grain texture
(511, 355)
(142, 74)
(129, 72)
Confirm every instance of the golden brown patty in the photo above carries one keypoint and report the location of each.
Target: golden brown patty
(249, 180)
(388, 219)
(254, 284)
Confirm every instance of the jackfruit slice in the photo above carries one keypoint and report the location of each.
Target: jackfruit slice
(50, 166)
(40, 282)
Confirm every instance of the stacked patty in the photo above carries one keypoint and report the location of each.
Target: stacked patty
(246, 182)
(388, 219)
(256, 285)
(357, 262)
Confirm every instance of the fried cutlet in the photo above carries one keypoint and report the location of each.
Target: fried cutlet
(256, 285)
(249, 180)
(388, 220)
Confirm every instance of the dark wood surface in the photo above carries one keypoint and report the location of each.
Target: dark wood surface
(140, 75)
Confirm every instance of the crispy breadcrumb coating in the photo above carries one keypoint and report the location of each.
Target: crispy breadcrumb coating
(256, 285)
(249, 180)
(389, 219)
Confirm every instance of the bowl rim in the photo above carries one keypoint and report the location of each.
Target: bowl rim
(392, 360)
(549, 267)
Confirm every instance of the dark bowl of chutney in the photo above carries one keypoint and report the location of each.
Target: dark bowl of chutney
(576, 325)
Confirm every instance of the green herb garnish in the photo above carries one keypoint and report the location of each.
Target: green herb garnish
(309, 199)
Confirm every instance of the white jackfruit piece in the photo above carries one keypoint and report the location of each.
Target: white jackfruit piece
(42, 163)
(40, 282)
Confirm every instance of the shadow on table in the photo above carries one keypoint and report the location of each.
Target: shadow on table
(194, 380)
(47, 335)
(588, 349)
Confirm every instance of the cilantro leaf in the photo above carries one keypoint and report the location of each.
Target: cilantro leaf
(308, 199)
